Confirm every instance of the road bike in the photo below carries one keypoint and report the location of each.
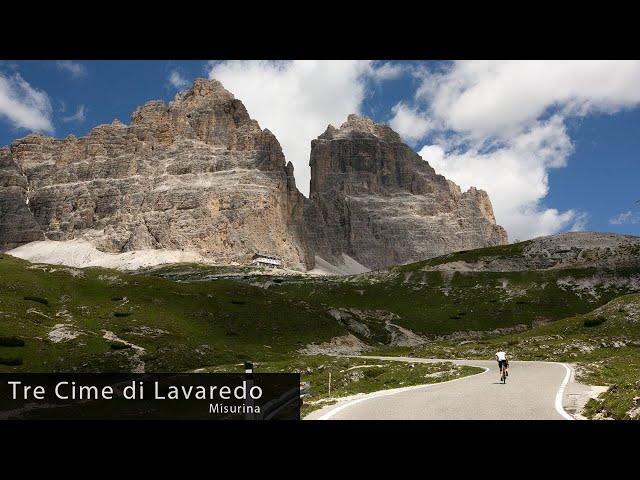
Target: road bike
(503, 374)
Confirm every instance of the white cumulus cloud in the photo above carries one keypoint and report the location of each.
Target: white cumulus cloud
(409, 123)
(296, 100)
(23, 105)
(498, 97)
(79, 116)
(502, 128)
(626, 218)
(515, 174)
(75, 69)
(580, 221)
(387, 71)
(177, 79)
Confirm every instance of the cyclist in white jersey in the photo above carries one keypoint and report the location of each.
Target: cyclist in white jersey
(501, 357)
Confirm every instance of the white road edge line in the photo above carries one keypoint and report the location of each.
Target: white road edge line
(393, 391)
(560, 394)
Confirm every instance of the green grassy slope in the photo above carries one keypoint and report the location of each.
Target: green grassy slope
(438, 303)
(179, 325)
(104, 320)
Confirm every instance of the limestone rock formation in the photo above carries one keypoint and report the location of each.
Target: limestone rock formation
(377, 201)
(198, 174)
(200, 178)
(581, 250)
(17, 225)
(571, 250)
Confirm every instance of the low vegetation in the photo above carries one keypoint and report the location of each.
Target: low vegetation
(185, 317)
(180, 326)
(11, 342)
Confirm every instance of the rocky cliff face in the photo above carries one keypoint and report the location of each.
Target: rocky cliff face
(197, 174)
(379, 202)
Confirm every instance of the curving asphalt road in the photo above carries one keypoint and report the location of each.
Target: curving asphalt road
(534, 391)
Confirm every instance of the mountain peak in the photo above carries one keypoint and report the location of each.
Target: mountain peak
(203, 87)
(360, 126)
(377, 201)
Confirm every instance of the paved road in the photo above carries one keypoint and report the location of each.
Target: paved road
(534, 391)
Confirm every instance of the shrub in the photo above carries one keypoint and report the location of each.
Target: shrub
(41, 300)
(593, 322)
(238, 302)
(121, 314)
(11, 342)
(117, 299)
(373, 372)
(119, 346)
(11, 362)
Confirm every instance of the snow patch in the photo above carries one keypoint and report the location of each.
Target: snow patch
(81, 253)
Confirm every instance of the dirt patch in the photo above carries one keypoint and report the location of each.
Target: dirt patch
(149, 332)
(135, 353)
(476, 334)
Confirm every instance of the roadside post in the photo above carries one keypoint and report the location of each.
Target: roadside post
(248, 376)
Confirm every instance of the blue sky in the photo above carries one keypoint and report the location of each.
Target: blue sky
(555, 144)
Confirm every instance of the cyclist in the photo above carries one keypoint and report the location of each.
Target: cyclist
(501, 357)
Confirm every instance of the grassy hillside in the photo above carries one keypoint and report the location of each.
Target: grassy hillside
(188, 316)
(60, 319)
(432, 302)
(438, 303)
(83, 320)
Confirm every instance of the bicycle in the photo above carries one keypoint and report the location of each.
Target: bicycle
(503, 374)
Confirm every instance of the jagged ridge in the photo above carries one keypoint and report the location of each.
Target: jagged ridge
(378, 201)
(198, 174)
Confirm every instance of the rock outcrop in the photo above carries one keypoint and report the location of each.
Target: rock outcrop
(571, 250)
(198, 174)
(377, 201)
